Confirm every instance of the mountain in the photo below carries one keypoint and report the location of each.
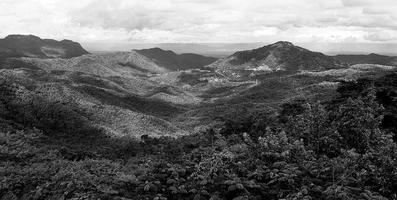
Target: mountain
(278, 56)
(368, 59)
(173, 62)
(143, 92)
(33, 46)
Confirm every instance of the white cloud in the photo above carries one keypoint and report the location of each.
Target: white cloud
(202, 20)
(382, 35)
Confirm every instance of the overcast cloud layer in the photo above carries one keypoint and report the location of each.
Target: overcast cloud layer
(154, 21)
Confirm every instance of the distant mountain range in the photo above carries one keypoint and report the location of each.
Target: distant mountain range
(33, 46)
(278, 56)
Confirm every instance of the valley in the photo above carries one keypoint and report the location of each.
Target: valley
(153, 92)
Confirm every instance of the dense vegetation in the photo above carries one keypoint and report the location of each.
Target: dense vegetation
(340, 149)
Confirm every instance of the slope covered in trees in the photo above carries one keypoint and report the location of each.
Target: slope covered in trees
(339, 149)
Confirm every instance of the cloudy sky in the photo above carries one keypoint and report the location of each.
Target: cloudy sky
(197, 21)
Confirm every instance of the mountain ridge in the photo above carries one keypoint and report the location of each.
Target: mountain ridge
(372, 58)
(174, 61)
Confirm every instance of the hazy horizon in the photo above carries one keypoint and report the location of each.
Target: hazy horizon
(224, 49)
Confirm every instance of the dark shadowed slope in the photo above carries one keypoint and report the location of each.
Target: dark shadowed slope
(279, 56)
(33, 46)
(368, 59)
(173, 61)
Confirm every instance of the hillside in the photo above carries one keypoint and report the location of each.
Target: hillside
(104, 101)
(33, 46)
(173, 61)
(124, 93)
(368, 59)
(126, 64)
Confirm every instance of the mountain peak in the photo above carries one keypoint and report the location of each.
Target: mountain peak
(281, 44)
(157, 50)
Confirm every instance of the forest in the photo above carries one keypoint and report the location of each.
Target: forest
(340, 149)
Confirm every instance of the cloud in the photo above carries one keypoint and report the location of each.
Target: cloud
(381, 36)
(353, 3)
(202, 20)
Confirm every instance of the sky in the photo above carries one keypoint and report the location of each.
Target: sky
(112, 22)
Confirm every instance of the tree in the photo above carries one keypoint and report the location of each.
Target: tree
(358, 121)
(313, 127)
